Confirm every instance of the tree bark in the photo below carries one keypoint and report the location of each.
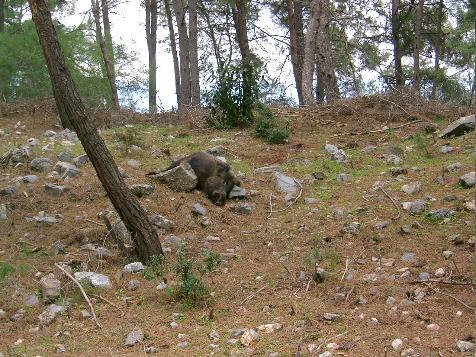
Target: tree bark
(193, 43)
(239, 17)
(105, 53)
(310, 54)
(439, 34)
(184, 54)
(2, 15)
(397, 52)
(173, 47)
(324, 53)
(294, 8)
(416, 51)
(146, 242)
(107, 34)
(151, 36)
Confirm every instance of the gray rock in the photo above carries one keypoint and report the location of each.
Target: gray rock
(96, 279)
(29, 178)
(424, 276)
(442, 213)
(68, 135)
(134, 337)
(7, 191)
(133, 285)
(415, 207)
(394, 151)
(446, 149)
(459, 127)
(456, 239)
(41, 164)
(32, 142)
(336, 153)
(17, 316)
(320, 275)
(237, 192)
(242, 208)
(66, 169)
(369, 278)
(49, 133)
(310, 201)
(249, 337)
(81, 160)
(216, 150)
(3, 315)
(3, 212)
(54, 190)
(351, 228)
(133, 163)
(331, 317)
(267, 169)
(65, 156)
(453, 167)
(214, 335)
(285, 183)
(368, 149)
(141, 190)
(382, 224)
(180, 178)
(50, 287)
(410, 257)
(182, 344)
(32, 300)
(151, 350)
(343, 177)
(397, 171)
(393, 159)
(42, 218)
(121, 232)
(19, 154)
(465, 346)
(173, 241)
(162, 222)
(133, 267)
(467, 180)
(49, 314)
(60, 349)
(199, 210)
(412, 187)
(85, 314)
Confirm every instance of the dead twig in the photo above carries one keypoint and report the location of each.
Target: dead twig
(446, 282)
(393, 201)
(290, 203)
(397, 105)
(379, 130)
(249, 297)
(109, 302)
(90, 220)
(82, 291)
(349, 293)
(345, 270)
(451, 296)
(308, 285)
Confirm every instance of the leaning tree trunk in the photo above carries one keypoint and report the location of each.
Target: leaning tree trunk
(310, 54)
(295, 43)
(173, 47)
(416, 50)
(193, 43)
(108, 35)
(184, 54)
(146, 242)
(397, 52)
(439, 34)
(151, 35)
(105, 53)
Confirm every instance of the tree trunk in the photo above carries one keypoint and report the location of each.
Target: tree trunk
(295, 42)
(145, 238)
(439, 34)
(173, 46)
(211, 34)
(310, 54)
(416, 51)
(105, 53)
(184, 54)
(193, 43)
(2, 15)
(239, 17)
(324, 53)
(397, 52)
(107, 34)
(151, 36)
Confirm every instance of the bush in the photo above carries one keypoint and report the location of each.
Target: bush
(266, 127)
(191, 288)
(155, 267)
(129, 135)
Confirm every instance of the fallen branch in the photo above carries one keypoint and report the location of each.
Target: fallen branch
(109, 302)
(446, 282)
(90, 220)
(453, 297)
(289, 205)
(249, 297)
(397, 105)
(393, 201)
(379, 130)
(349, 293)
(82, 291)
(345, 270)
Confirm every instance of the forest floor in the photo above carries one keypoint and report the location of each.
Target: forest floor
(375, 299)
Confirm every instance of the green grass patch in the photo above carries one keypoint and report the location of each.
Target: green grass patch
(5, 269)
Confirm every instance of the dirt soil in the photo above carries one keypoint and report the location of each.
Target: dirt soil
(269, 260)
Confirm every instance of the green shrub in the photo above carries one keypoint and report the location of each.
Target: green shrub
(266, 126)
(128, 135)
(191, 288)
(5, 269)
(155, 267)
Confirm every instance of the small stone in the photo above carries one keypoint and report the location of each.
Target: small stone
(424, 276)
(180, 178)
(54, 190)
(7, 191)
(141, 190)
(162, 222)
(470, 206)
(331, 317)
(326, 354)
(32, 300)
(162, 286)
(465, 346)
(415, 207)
(50, 314)
(453, 167)
(134, 337)
(214, 335)
(412, 187)
(446, 149)
(50, 287)
(237, 332)
(182, 344)
(382, 224)
(96, 279)
(405, 229)
(133, 163)
(320, 275)
(310, 201)
(3, 212)
(387, 262)
(85, 314)
(318, 175)
(199, 210)
(81, 160)
(270, 328)
(397, 344)
(409, 352)
(368, 149)
(441, 213)
(174, 325)
(456, 239)
(447, 254)
(243, 208)
(410, 258)
(216, 150)
(391, 300)
(343, 177)
(238, 192)
(133, 267)
(151, 350)
(468, 180)
(133, 285)
(49, 133)
(369, 278)
(3, 315)
(249, 337)
(397, 171)
(60, 349)
(29, 178)
(433, 327)
(440, 272)
(173, 241)
(336, 153)
(351, 228)
(65, 156)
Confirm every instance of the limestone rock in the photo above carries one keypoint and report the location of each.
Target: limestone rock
(180, 178)
(459, 127)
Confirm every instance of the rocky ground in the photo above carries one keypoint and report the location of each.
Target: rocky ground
(351, 245)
